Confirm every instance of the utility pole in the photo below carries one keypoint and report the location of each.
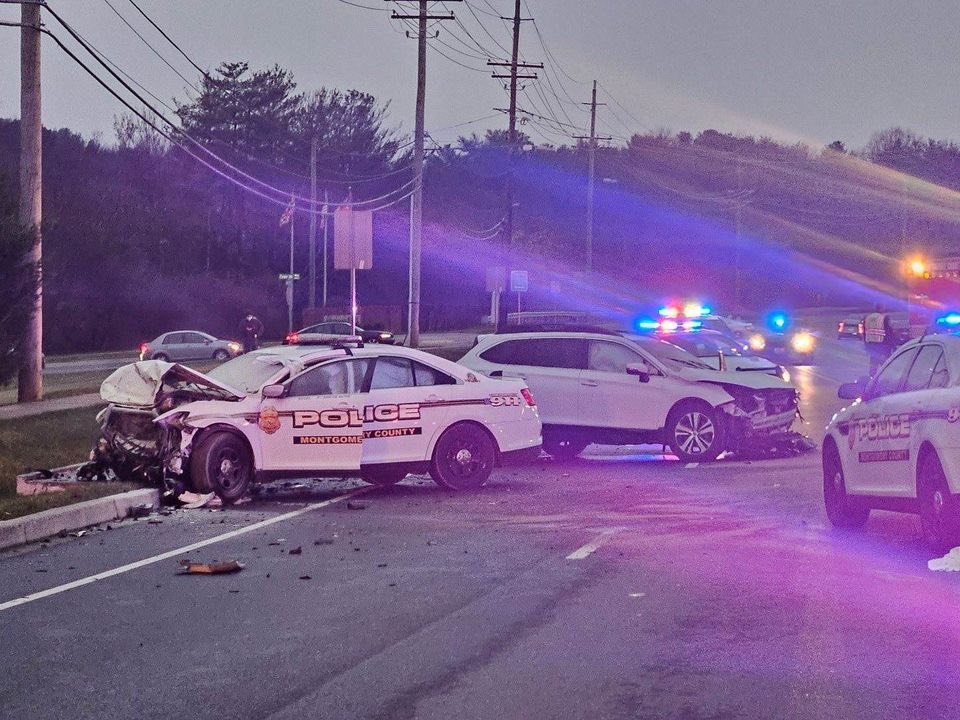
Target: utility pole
(591, 170)
(738, 250)
(30, 376)
(514, 66)
(313, 222)
(326, 232)
(416, 199)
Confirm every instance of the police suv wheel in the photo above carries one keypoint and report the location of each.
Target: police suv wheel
(694, 433)
(383, 475)
(939, 508)
(223, 464)
(463, 457)
(843, 512)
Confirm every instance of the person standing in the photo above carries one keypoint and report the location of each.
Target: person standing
(250, 331)
(878, 337)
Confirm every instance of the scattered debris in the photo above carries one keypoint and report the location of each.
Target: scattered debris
(298, 550)
(637, 595)
(140, 511)
(214, 568)
(381, 565)
(80, 533)
(192, 500)
(351, 505)
(323, 541)
(278, 541)
(948, 563)
(306, 577)
(154, 521)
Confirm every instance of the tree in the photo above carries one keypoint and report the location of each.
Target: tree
(15, 288)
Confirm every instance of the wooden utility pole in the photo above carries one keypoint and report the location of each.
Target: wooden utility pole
(313, 222)
(591, 170)
(326, 234)
(416, 199)
(30, 377)
(514, 76)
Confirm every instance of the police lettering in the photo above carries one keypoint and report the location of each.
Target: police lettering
(351, 417)
(883, 427)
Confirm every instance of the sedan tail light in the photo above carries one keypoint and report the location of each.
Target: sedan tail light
(143, 350)
(528, 396)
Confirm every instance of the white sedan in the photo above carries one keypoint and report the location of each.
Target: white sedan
(897, 445)
(378, 412)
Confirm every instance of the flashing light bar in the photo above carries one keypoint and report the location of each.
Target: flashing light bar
(952, 319)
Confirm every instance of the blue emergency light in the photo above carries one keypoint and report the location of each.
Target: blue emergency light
(778, 321)
(951, 319)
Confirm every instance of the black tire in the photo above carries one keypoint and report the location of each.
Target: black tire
(383, 475)
(223, 464)
(463, 457)
(939, 508)
(160, 356)
(221, 355)
(695, 433)
(843, 512)
(563, 446)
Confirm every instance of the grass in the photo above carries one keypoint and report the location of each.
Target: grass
(47, 441)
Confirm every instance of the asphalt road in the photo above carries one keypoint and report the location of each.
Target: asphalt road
(621, 585)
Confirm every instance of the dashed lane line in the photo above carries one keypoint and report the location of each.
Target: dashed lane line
(592, 546)
(179, 552)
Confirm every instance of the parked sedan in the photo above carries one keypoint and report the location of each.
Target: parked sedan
(189, 345)
(850, 327)
(384, 337)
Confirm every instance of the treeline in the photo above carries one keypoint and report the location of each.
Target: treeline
(141, 238)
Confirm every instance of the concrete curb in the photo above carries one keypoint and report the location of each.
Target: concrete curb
(41, 525)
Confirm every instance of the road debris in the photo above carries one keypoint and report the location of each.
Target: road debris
(193, 501)
(948, 563)
(140, 511)
(306, 577)
(214, 568)
(298, 550)
(352, 505)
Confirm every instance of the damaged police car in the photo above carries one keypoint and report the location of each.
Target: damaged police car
(324, 407)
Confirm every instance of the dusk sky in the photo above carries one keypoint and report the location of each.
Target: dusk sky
(816, 70)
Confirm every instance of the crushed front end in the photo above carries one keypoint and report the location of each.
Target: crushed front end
(760, 418)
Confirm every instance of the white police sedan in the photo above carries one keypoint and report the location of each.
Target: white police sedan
(324, 407)
(897, 445)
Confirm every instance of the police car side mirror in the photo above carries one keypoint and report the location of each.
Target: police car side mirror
(273, 391)
(853, 390)
(640, 370)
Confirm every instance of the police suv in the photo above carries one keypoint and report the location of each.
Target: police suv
(331, 409)
(897, 445)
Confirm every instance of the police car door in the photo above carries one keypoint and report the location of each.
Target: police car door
(317, 424)
(878, 441)
(400, 416)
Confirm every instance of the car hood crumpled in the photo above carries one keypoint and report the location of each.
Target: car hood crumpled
(139, 383)
(752, 380)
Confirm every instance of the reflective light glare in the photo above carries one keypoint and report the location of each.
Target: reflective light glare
(950, 319)
(647, 324)
(691, 324)
(757, 342)
(669, 325)
(917, 267)
(693, 310)
(669, 312)
(802, 342)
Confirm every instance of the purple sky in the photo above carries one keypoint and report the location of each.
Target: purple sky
(816, 70)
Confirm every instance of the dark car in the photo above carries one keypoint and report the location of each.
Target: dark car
(850, 327)
(343, 328)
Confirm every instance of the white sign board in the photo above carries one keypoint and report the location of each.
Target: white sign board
(519, 281)
(352, 239)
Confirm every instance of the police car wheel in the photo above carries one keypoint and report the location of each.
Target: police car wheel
(463, 457)
(939, 511)
(694, 433)
(563, 447)
(843, 512)
(383, 475)
(223, 464)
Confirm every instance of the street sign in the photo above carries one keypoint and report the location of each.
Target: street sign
(519, 281)
(496, 277)
(352, 239)
(288, 276)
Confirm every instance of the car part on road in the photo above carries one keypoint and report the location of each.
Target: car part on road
(939, 509)
(844, 512)
(214, 568)
(562, 446)
(463, 458)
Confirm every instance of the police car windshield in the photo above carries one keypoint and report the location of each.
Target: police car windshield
(673, 357)
(248, 372)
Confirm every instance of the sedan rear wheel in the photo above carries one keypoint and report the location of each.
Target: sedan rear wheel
(939, 508)
(223, 464)
(463, 457)
(160, 356)
(695, 433)
(221, 355)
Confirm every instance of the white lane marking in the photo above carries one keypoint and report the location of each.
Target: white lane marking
(176, 553)
(691, 465)
(593, 545)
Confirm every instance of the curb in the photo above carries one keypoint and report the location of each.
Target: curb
(41, 525)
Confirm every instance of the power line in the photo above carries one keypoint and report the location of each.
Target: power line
(167, 38)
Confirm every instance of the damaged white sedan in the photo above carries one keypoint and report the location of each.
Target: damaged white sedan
(313, 410)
